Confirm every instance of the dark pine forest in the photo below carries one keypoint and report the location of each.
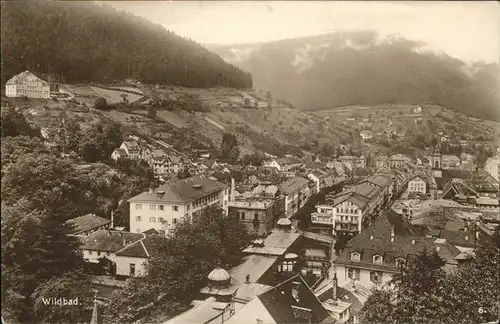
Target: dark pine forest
(88, 42)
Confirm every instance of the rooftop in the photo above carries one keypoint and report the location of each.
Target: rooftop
(87, 222)
(181, 191)
(275, 244)
(201, 312)
(109, 240)
(293, 184)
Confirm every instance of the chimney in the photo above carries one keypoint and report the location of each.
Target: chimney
(151, 190)
(437, 248)
(247, 278)
(334, 287)
(108, 232)
(231, 198)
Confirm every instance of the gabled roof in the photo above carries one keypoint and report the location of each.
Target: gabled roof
(87, 222)
(23, 77)
(182, 191)
(277, 305)
(139, 249)
(109, 240)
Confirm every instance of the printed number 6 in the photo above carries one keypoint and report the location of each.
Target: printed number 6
(481, 310)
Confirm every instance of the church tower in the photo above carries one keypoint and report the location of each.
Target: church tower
(437, 162)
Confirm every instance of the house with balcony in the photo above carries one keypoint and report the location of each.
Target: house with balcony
(163, 207)
(296, 192)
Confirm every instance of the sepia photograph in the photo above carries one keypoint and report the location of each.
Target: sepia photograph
(250, 162)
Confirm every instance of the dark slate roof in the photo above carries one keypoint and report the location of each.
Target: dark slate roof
(87, 222)
(293, 185)
(182, 191)
(480, 177)
(139, 249)
(376, 240)
(278, 301)
(109, 241)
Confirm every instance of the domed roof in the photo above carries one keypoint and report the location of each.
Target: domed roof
(284, 221)
(218, 274)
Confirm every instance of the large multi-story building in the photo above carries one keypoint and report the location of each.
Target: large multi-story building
(350, 209)
(296, 192)
(398, 161)
(163, 207)
(26, 84)
(258, 214)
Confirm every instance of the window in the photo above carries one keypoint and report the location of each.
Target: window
(376, 277)
(132, 269)
(138, 206)
(152, 207)
(355, 256)
(377, 259)
(160, 220)
(188, 207)
(256, 216)
(90, 252)
(353, 273)
(161, 207)
(108, 254)
(175, 220)
(137, 218)
(175, 208)
(152, 219)
(400, 262)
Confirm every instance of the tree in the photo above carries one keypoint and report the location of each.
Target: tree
(229, 148)
(178, 265)
(152, 112)
(73, 286)
(424, 293)
(101, 103)
(35, 248)
(70, 135)
(480, 157)
(100, 142)
(13, 123)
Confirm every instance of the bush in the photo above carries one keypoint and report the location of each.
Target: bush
(101, 103)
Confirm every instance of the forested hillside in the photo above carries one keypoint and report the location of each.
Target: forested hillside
(362, 68)
(86, 41)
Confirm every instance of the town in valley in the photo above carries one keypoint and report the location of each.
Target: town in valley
(156, 180)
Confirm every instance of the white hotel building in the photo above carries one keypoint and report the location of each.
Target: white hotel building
(26, 84)
(175, 201)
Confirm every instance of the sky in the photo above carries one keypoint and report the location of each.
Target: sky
(468, 30)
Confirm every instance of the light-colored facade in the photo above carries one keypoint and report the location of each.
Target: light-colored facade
(167, 205)
(492, 166)
(258, 215)
(399, 160)
(366, 134)
(417, 185)
(26, 84)
(296, 192)
(130, 266)
(356, 162)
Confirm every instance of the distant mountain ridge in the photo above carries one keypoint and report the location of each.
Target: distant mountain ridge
(362, 68)
(86, 41)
